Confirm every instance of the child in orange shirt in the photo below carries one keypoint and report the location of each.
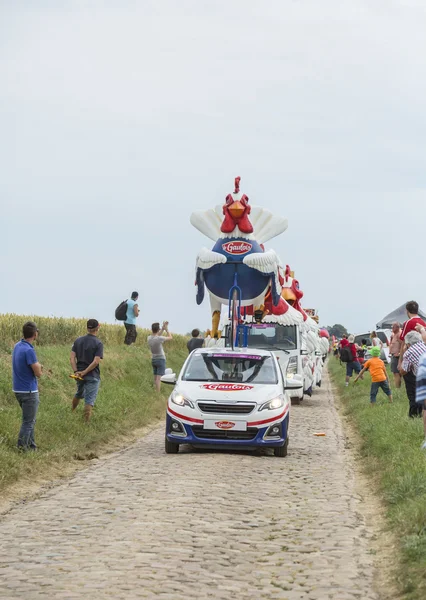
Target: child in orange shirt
(379, 376)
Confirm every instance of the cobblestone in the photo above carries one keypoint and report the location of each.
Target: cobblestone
(199, 524)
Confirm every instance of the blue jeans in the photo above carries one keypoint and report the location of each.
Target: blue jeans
(88, 389)
(29, 405)
(375, 386)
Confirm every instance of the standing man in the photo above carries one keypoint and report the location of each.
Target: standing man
(25, 370)
(130, 322)
(86, 354)
(155, 342)
(410, 362)
(395, 351)
(412, 309)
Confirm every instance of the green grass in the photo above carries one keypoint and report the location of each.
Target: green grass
(391, 454)
(126, 400)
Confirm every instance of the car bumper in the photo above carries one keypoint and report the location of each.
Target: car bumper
(254, 436)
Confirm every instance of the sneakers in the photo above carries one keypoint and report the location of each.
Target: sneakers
(346, 383)
(423, 446)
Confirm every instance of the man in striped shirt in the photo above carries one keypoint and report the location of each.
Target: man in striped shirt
(421, 392)
(410, 363)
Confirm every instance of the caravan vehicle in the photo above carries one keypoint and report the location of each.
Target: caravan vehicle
(228, 398)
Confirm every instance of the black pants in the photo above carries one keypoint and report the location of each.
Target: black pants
(415, 409)
(131, 334)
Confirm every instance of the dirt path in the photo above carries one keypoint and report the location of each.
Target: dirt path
(141, 524)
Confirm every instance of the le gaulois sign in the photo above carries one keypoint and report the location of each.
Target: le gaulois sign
(226, 387)
(237, 247)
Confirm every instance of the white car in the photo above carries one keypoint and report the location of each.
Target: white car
(228, 399)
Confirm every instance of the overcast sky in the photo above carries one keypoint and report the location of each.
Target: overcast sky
(118, 118)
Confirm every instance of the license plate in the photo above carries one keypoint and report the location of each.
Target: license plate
(225, 424)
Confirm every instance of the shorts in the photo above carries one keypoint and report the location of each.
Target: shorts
(351, 367)
(159, 366)
(394, 364)
(88, 389)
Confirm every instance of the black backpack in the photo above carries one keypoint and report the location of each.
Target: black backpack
(346, 355)
(121, 311)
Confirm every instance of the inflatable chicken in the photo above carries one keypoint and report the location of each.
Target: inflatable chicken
(309, 329)
(238, 257)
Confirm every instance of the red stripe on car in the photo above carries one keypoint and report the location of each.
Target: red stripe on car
(175, 414)
(253, 423)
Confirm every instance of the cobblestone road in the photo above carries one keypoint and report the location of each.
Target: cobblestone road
(140, 524)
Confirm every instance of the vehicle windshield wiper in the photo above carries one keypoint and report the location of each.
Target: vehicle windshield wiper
(196, 379)
(280, 349)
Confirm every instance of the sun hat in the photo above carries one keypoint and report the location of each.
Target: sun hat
(375, 351)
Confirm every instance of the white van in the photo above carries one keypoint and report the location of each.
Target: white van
(285, 341)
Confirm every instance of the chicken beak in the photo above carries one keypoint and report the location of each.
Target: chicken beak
(236, 209)
(288, 294)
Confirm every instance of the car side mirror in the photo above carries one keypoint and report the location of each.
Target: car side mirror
(169, 378)
(303, 352)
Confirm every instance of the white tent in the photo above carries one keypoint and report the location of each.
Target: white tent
(399, 315)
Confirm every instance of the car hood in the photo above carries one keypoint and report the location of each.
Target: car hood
(228, 392)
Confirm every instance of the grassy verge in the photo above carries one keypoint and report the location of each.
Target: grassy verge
(390, 451)
(126, 400)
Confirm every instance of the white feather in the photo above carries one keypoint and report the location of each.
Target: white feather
(208, 222)
(265, 262)
(291, 317)
(265, 225)
(207, 259)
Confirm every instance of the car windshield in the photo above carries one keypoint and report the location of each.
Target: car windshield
(234, 368)
(272, 336)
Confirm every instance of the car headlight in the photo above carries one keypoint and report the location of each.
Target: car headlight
(273, 404)
(181, 400)
(291, 367)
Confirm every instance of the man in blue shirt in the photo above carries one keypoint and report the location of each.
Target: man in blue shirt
(130, 322)
(26, 369)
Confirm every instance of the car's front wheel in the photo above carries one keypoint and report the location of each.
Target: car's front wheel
(171, 447)
(282, 450)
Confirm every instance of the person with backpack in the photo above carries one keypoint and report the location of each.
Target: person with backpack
(348, 355)
(128, 311)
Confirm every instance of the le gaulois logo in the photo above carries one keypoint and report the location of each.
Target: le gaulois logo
(237, 247)
(226, 387)
(225, 424)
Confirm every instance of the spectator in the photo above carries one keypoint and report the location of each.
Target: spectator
(412, 309)
(376, 341)
(415, 349)
(195, 342)
(86, 355)
(394, 351)
(354, 364)
(130, 322)
(378, 373)
(25, 371)
(344, 341)
(362, 350)
(421, 392)
(155, 342)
